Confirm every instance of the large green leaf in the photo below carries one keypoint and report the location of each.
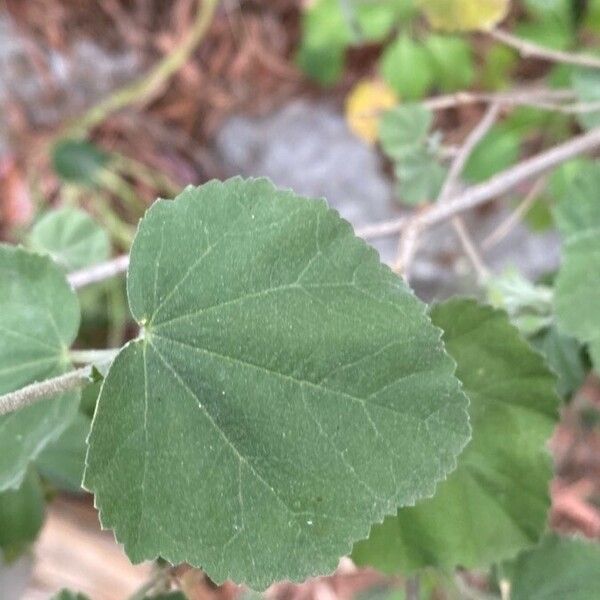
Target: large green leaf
(39, 318)
(62, 461)
(71, 237)
(21, 517)
(496, 501)
(287, 392)
(558, 569)
(578, 281)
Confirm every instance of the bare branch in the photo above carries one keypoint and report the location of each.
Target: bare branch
(408, 243)
(530, 50)
(99, 272)
(497, 185)
(515, 217)
(536, 96)
(472, 140)
(44, 389)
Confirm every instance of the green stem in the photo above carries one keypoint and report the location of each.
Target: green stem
(144, 89)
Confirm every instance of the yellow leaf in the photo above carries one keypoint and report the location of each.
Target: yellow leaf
(465, 15)
(364, 106)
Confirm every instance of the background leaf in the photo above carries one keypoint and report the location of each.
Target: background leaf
(251, 431)
(78, 161)
(364, 106)
(406, 67)
(33, 347)
(496, 501)
(464, 15)
(557, 569)
(578, 281)
(21, 516)
(451, 62)
(71, 237)
(62, 461)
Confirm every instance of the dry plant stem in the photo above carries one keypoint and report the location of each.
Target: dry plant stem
(34, 392)
(408, 242)
(495, 186)
(516, 216)
(99, 272)
(536, 97)
(530, 50)
(149, 85)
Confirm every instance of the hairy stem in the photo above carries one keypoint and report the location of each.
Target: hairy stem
(40, 390)
(99, 272)
(88, 357)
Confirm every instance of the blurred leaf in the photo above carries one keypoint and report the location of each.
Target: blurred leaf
(420, 177)
(21, 516)
(39, 318)
(578, 281)
(496, 501)
(565, 357)
(405, 65)
(499, 63)
(62, 461)
(451, 62)
(403, 129)
(364, 105)
(539, 217)
(528, 305)
(69, 595)
(498, 150)
(557, 569)
(78, 161)
(586, 84)
(330, 26)
(465, 15)
(71, 237)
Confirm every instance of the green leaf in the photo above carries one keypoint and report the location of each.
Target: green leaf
(21, 516)
(39, 318)
(78, 161)
(404, 129)
(578, 281)
(497, 151)
(69, 595)
(252, 430)
(451, 61)
(586, 84)
(62, 461)
(464, 15)
(496, 501)
(420, 177)
(405, 66)
(71, 237)
(557, 569)
(564, 355)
